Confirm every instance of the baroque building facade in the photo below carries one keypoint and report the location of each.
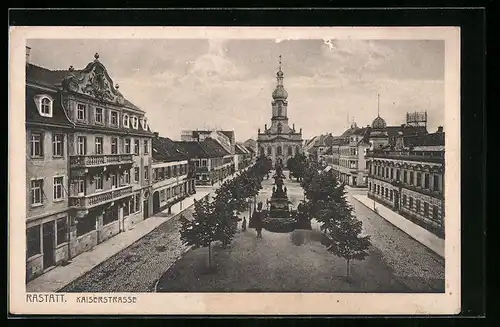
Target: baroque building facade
(279, 142)
(88, 163)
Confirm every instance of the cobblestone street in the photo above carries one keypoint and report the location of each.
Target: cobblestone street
(138, 267)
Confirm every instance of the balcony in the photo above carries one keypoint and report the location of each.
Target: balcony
(99, 160)
(92, 200)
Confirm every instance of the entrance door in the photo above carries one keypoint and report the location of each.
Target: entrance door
(156, 202)
(145, 208)
(48, 245)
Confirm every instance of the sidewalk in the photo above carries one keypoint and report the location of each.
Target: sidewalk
(61, 276)
(420, 234)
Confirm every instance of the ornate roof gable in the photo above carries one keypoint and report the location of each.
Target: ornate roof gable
(93, 81)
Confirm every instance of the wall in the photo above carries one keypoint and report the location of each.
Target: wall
(109, 231)
(84, 243)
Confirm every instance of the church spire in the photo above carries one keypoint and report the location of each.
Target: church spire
(279, 74)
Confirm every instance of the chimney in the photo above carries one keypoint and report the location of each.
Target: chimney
(28, 49)
(156, 135)
(440, 129)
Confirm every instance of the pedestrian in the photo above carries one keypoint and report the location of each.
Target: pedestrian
(244, 224)
(258, 220)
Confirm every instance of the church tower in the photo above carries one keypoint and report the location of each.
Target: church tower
(279, 142)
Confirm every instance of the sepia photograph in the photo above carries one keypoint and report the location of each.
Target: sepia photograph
(236, 163)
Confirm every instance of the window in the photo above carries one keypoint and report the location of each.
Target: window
(114, 181)
(126, 146)
(411, 203)
(85, 225)
(136, 174)
(418, 206)
(203, 162)
(81, 111)
(57, 145)
(36, 192)
(36, 145)
(98, 145)
(114, 118)
(269, 150)
(404, 199)
(98, 182)
(405, 177)
(392, 173)
(297, 149)
(397, 175)
(426, 209)
(114, 145)
(369, 186)
(290, 151)
(136, 147)
(390, 194)
(436, 183)
(80, 186)
(168, 192)
(426, 181)
(126, 121)
(386, 192)
(33, 241)
(419, 179)
(411, 178)
(435, 212)
(279, 150)
(98, 116)
(126, 176)
(383, 191)
(126, 209)
(110, 215)
(135, 122)
(137, 202)
(144, 123)
(146, 147)
(58, 188)
(146, 172)
(62, 231)
(82, 145)
(46, 107)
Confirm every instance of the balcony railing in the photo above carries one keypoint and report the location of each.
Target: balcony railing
(97, 160)
(92, 200)
(424, 156)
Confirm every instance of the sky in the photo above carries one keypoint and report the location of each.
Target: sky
(227, 84)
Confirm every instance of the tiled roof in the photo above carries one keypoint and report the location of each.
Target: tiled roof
(432, 139)
(213, 148)
(193, 149)
(33, 115)
(164, 149)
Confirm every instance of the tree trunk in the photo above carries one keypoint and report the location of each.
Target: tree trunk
(210, 255)
(348, 267)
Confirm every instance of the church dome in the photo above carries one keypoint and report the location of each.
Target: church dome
(280, 92)
(379, 123)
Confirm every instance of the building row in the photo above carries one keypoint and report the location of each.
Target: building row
(95, 169)
(401, 166)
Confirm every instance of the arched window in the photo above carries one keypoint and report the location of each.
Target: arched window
(297, 149)
(279, 150)
(269, 151)
(135, 122)
(144, 123)
(280, 128)
(46, 106)
(126, 121)
(261, 150)
(290, 150)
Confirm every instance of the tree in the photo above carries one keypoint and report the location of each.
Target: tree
(297, 165)
(327, 202)
(200, 231)
(343, 237)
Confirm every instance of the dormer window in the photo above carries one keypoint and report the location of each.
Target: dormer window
(135, 122)
(44, 104)
(126, 121)
(144, 123)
